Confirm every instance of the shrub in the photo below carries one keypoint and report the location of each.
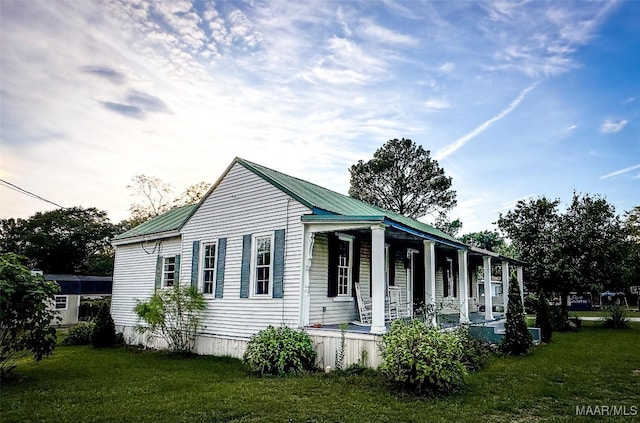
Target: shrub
(475, 352)
(419, 358)
(517, 338)
(26, 314)
(104, 330)
(79, 334)
(543, 318)
(616, 318)
(277, 351)
(174, 315)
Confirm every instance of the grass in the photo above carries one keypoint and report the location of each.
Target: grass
(593, 367)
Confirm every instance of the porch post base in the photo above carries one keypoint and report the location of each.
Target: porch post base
(378, 330)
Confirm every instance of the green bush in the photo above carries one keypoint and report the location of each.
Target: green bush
(419, 358)
(543, 318)
(616, 318)
(79, 334)
(517, 338)
(104, 330)
(277, 351)
(475, 352)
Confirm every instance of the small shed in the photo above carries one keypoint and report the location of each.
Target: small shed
(74, 289)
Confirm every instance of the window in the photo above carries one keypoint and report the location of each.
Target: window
(262, 275)
(208, 267)
(450, 283)
(345, 253)
(168, 271)
(61, 302)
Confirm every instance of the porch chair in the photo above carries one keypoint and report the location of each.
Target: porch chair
(363, 308)
(396, 308)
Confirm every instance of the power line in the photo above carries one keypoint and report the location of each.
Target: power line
(27, 193)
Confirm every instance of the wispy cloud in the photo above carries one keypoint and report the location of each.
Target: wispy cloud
(451, 148)
(385, 35)
(435, 104)
(620, 172)
(610, 126)
(105, 72)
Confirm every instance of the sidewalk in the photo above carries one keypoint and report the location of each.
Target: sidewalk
(596, 319)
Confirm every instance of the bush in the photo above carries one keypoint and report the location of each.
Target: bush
(104, 330)
(616, 318)
(517, 338)
(277, 351)
(419, 358)
(474, 351)
(174, 315)
(26, 314)
(543, 319)
(79, 334)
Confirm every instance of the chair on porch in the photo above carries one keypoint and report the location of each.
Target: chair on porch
(363, 308)
(396, 308)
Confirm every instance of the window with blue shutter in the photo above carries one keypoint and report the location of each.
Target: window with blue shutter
(278, 263)
(195, 260)
(245, 271)
(222, 252)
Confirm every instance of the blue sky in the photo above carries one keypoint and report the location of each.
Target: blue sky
(515, 99)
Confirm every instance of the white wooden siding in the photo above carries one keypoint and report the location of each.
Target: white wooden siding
(134, 276)
(243, 204)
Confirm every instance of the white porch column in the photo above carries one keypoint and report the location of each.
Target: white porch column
(377, 280)
(463, 281)
(488, 303)
(307, 259)
(430, 275)
(505, 285)
(520, 276)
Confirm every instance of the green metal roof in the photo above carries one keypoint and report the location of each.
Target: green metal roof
(168, 221)
(324, 200)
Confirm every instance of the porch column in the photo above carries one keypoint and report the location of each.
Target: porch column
(377, 280)
(307, 259)
(463, 282)
(505, 285)
(520, 276)
(488, 304)
(430, 276)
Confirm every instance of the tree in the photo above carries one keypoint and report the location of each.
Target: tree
(517, 338)
(192, 195)
(104, 330)
(65, 240)
(154, 196)
(402, 177)
(532, 228)
(450, 228)
(26, 314)
(487, 240)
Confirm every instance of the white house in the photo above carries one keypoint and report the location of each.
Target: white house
(270, 249)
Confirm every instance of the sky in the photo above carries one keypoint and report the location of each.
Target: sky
(514, 99)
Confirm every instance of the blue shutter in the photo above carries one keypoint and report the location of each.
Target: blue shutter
(245, 271)
(176, 271)
(195, 260)
(333, 247)
(278, 264)
(222, 252)
(158, 272)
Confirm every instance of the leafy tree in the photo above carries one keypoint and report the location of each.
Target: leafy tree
(66, 240)
(192, 194)
(402, 177)
(631, 261)
(517, 338)
(487, 240)
(543, 318)
(448, 227)
(26, 314)
(172, 314)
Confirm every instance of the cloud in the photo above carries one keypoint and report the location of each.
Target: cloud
(620, 172)
(610, 126)
(124, 109)
(384, 35)
(451, 148)
(435, 104)
(105, 72)
(147, 102)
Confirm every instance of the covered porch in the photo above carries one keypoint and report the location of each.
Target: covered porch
(383, 262)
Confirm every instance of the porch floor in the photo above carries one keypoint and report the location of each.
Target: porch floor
(444, 320)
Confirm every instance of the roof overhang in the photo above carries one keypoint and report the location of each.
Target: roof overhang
(475, 251)
(146, 238)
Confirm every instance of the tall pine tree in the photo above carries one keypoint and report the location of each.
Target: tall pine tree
(517, 339)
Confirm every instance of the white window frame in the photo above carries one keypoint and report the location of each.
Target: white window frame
(164, 272)
(349, 268)
(203, 268)
(254, 265)
(66, 302)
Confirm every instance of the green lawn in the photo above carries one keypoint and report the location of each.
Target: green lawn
(79, 384)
